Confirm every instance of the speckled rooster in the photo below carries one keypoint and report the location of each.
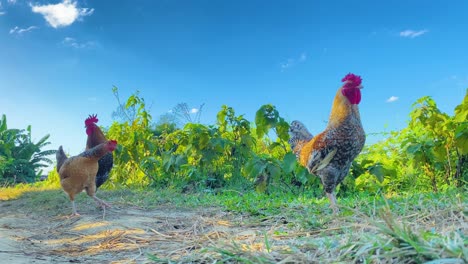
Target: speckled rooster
(329, 154)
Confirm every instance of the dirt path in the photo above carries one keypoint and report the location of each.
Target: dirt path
(35, 228)
(122, 235)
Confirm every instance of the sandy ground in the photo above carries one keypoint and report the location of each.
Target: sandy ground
(120, 235)
(33, 229)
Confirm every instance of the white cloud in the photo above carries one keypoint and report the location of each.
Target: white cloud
(2, 13)
(303, 57)
(289, 63)
(194, 111)
(412, 33)
(293, 61)
(71, 42)
(20, 31)
(459, 81)
(62, 14)
(392, 99)
(12, 2)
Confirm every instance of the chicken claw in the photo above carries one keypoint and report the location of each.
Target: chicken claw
(101, 203)
(333, 203)
(74, 212)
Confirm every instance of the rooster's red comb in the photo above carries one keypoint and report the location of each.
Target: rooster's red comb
(352, 78)
(113, 141)
(92, 119)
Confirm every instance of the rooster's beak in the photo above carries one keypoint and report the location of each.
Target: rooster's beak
(360, 87)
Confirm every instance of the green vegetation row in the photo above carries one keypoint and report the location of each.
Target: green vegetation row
(430, 154)
(21, 160)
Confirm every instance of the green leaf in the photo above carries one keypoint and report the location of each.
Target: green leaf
(289, 162)
(378, 171)
(414, 148)
(461, 138)
(274, 170)
(302, 174)
(440, 153)
(282, 128)
(131, 101)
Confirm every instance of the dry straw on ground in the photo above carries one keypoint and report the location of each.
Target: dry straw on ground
(129, 234)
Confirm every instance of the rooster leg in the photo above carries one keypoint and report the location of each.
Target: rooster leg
(101, 203)
(331, 196)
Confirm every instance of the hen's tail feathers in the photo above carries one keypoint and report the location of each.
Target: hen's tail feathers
(298, 136)
(61, 157)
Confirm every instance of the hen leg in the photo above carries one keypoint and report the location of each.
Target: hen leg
(91, 191)
(331, 196)
(72, 200)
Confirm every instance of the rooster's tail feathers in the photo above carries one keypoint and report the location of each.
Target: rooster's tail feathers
(298, 136)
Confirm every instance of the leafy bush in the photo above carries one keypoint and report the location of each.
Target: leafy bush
(21, 159)
(198, 156)
(429, 154)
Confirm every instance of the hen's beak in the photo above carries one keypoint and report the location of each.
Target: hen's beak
(360, 87)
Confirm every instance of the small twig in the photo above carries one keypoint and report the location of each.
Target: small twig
(156, 232)
(7, 251)
(139, 249)
(104, 213)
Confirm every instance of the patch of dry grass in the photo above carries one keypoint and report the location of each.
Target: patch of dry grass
(169, 227)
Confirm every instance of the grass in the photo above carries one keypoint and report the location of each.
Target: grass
(288, 228)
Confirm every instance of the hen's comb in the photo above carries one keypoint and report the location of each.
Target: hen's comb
(92, 119)
(352, 78)
(113, 141)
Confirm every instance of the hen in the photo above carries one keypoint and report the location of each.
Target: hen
(78, 173)
(96, 137)
(329, 154)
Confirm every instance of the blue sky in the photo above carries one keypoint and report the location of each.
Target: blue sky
(60, 59)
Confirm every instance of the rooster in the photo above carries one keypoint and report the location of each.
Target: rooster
(96, 137)
(78, 173)
(329, 154)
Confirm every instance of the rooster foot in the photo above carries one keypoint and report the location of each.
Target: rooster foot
(333, 203)
(335, 210)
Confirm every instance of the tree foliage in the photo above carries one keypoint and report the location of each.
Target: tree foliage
(21, 159)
